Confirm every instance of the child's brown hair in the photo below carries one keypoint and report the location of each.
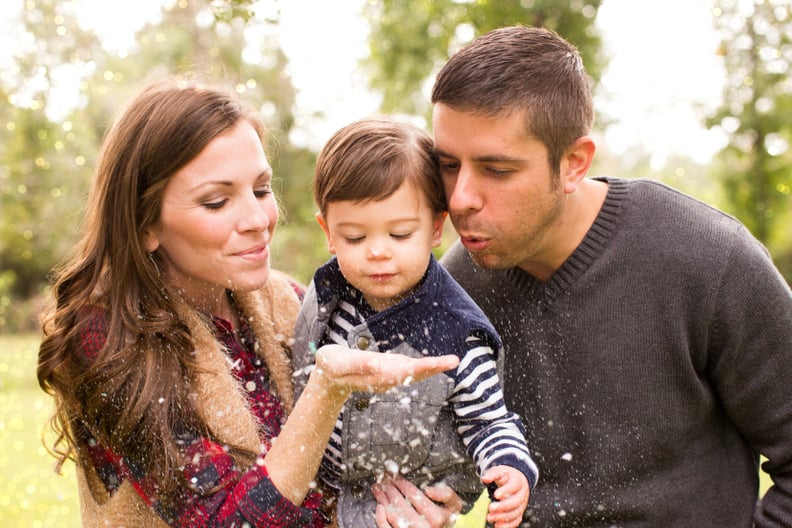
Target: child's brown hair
(370, 158)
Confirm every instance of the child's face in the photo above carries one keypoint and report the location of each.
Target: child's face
(383, 247)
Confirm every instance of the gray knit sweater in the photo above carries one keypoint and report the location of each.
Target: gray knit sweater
(651, 369)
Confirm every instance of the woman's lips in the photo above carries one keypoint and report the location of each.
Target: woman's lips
(255, 253)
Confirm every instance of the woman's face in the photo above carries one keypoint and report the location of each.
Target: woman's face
(217, 220)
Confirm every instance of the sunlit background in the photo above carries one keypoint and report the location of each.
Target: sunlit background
(664, 72)
(694, 93)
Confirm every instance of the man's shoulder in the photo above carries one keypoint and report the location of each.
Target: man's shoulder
(662, 209)
(694, 232)
(645, 192)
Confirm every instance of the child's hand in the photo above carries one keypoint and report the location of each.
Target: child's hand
(347, 369)
(511, 497)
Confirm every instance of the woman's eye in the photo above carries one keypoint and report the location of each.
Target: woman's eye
(262, 192)
(214, 205)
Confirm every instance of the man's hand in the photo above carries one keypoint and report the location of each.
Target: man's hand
(400, 503)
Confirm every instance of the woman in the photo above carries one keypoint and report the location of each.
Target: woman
(167, 348)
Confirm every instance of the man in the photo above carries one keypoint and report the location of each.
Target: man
(648, 336)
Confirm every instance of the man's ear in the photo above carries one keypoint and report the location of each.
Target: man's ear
(437, 228)
(576, 163)
(323, 224)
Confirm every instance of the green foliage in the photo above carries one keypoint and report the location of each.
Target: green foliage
(228, 10)
(299, 245)
(410, 40)
(757, 114)
(46, 156)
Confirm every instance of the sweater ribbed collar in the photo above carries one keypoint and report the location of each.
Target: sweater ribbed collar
(589, 249)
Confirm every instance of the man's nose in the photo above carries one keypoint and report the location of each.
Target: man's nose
(465, 195)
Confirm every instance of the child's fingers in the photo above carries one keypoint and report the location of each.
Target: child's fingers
(510, 519)
(494, 476)
(506, 503)
(509, 488)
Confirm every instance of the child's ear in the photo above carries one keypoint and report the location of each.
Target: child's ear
(323, 224)
(437, 228)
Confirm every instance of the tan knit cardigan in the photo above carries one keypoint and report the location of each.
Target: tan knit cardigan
(272, 312)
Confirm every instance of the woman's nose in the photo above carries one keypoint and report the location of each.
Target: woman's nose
(253, 216)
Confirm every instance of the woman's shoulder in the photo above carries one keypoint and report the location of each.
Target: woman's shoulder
(277, 301)
(285, 283)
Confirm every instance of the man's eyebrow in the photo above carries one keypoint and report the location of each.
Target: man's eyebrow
(486, 159)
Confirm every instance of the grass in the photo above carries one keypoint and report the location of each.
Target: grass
(31, 493)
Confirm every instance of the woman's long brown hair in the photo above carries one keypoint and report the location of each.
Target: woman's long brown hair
(134, 395)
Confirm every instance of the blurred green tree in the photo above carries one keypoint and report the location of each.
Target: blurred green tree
(410, 40)
(757, 116)
(45, 149)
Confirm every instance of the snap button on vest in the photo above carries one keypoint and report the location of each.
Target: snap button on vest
(362, 404)
(357, 490)
(363, 343)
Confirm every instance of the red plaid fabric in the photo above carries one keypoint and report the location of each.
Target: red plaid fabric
(218, 494)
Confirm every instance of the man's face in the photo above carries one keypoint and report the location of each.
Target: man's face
(503, 199)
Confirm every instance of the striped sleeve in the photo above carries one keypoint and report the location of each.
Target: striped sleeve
(492, 435)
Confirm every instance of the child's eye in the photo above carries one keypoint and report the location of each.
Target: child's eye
(353, 240)
(401, 236)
